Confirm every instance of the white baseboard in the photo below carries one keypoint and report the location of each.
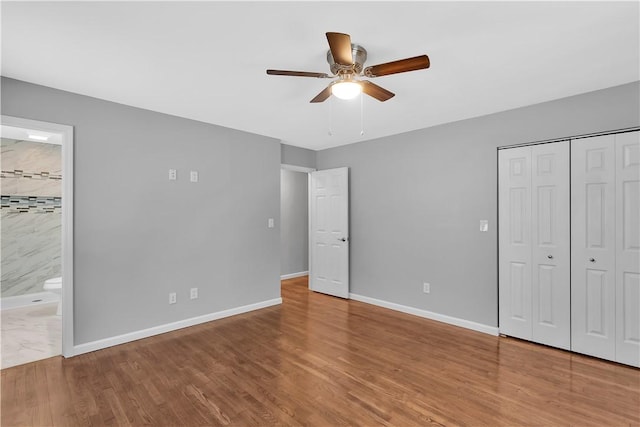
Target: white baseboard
(168, 327)
(293, 275)
(491, 330)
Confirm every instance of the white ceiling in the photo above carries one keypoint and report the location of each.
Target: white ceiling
(206, 60)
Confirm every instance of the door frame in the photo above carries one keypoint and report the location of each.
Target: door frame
(308, 171)
(66, 132)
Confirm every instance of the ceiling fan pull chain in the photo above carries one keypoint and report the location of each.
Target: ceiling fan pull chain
(361, 115)
(330, 117)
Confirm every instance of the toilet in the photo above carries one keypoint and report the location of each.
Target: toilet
(55, 285)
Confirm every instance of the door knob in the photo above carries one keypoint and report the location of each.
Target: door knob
(592, 259)
(344, 239)
(550, 256)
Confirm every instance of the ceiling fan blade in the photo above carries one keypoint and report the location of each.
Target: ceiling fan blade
(322, 96)
(400, 66)
(297, 74)
(377, 92)
(340, 45)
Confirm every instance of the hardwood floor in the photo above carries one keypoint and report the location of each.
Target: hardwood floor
(323, 361)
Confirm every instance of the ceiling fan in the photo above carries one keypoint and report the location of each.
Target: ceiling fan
(346, 62)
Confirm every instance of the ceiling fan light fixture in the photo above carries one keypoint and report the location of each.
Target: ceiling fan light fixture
(346, 89)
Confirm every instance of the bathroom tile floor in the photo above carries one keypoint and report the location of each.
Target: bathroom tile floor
(28, 334)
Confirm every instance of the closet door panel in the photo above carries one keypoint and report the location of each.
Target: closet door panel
(514, 210)
(593, 290)
(627, 146)
(551, 288)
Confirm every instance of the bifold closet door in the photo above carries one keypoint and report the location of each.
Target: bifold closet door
(550, 220)
(628, 248)
(593, 292)
(514, 225)
(606, 247)
(534, 263)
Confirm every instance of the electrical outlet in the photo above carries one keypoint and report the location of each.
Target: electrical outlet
(173, 174)
(172, 298)
(194, 293)
(426, 288)
(194, 176)
(270, 223)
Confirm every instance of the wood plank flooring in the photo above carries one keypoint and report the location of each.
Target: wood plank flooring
(322, 361)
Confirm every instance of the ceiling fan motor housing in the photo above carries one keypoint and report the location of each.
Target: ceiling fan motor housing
(359, 57)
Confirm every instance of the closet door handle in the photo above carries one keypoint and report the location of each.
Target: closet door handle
(592, 260)
(550, 256)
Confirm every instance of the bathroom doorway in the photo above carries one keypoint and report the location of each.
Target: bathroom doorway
(36, 267)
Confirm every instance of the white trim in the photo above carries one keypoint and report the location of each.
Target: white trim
(294, 275)
(468, 324)
(295, 168)
(168, 327)
(66, 133)
(309, 234)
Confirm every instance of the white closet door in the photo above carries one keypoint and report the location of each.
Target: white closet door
(593, 246)
(628, 248)
(514, 211)
(550, 221)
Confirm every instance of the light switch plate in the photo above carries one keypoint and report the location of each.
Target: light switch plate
(270, 223)
(194, 176)
(484, 225)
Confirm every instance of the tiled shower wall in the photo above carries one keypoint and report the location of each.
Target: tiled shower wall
(30, 215)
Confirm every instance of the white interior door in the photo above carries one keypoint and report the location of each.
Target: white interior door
(514, 211)
(628, 248)
(550, 222)
(593, 246)
(329, 263)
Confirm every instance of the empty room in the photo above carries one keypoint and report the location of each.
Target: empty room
(320, 213)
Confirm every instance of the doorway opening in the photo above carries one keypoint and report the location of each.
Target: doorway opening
(323, 232)
(294, 221)
(36, 240)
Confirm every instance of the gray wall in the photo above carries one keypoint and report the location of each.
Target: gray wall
(417, 199)
(297, 156)
(139, 236)
(294, 222)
